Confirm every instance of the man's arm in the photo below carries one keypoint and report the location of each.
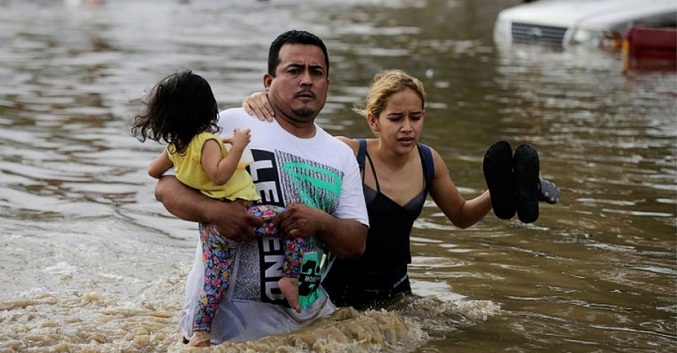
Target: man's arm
(159, 165)
(230, 218)
(345, 238)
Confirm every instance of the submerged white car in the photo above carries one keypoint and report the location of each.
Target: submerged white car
(592, 23)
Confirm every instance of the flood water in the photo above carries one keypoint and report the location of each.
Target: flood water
(90, 262)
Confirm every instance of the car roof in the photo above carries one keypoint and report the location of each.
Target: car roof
(593, 14)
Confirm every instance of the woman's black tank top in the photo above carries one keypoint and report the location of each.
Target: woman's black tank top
(384, 263)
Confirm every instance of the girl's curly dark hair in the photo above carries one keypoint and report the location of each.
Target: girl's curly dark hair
(179, 107)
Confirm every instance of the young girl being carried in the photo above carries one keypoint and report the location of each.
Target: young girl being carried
(181, 110)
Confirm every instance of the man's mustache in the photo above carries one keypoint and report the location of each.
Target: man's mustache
(305, 92)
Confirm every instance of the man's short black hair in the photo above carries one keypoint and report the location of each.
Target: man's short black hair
(293, 37)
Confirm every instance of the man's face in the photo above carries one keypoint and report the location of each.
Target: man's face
(299, 89)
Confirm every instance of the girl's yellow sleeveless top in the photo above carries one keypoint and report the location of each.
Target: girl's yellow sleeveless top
(189, 171)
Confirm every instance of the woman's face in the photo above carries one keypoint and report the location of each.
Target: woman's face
(400, 124)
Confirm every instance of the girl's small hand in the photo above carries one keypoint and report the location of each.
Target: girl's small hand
(258, 103)
(241, 138)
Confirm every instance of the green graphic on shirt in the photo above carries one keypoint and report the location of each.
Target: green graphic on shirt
(324, 189)
(318, 187)
(309, 278)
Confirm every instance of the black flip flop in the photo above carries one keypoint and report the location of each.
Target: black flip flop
(527, 182)
(497, 167)
(548, 192)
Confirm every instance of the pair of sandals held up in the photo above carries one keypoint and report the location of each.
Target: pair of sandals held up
(514, 184)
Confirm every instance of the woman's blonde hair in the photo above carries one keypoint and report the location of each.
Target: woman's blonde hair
(385, 84)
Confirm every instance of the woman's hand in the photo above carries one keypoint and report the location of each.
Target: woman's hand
(257, 103)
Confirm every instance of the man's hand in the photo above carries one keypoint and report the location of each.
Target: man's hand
(345, 238)
(299, 220)
(230, 218)
(232, 221)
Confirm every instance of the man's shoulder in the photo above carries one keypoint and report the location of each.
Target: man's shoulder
(343, 155)
(236, 118)
(234, 112)
(343, 147)
(321, 132)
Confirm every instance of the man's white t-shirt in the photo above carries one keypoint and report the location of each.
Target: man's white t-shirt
(321, 172)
